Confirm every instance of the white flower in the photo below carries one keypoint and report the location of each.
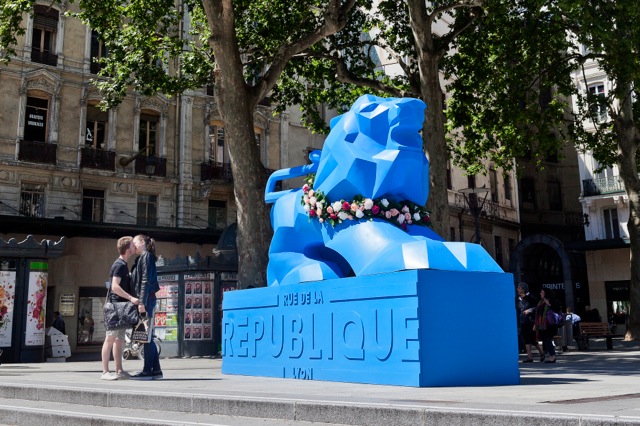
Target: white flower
(337, 206)
(343, 215)
(319, 204)
(385, 202)
(312, 200)
(306, 208)
(306, 199)
(359, 214)
(400, 219)
(405, 209)
(416, 216)
(368, 203)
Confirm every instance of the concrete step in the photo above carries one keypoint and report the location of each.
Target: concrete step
(29, 412)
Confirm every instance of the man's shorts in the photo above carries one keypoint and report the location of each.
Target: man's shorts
(119, 334)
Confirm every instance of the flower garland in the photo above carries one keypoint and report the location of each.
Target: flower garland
(400, 213)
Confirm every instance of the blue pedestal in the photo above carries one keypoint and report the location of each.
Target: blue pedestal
(410, 328)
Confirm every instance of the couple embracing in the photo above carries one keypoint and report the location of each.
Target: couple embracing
(139, 287)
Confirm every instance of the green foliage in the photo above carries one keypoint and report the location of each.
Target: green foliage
(11, 16)
(512, 86)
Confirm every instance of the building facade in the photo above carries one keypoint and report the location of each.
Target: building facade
(605, 209)
(73, 174)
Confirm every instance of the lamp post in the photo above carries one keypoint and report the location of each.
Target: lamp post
(150, 166)
(471, 196)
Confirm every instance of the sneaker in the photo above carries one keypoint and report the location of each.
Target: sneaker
(108, 376)
(123, 375)
(142, 375)
(157, 375)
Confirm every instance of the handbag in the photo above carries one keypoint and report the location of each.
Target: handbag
(119, 315)
(143, 330)
(554, 318)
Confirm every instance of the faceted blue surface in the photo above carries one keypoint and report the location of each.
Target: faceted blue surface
(367, 301)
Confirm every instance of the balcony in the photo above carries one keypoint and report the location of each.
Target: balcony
(37, 152)
(160, 164)
(44, 57)
(215, 171)
(602, 186)
(101, 159)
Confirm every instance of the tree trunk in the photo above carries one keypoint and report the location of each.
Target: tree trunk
(435, 145)
(627, 134)
(236, 107)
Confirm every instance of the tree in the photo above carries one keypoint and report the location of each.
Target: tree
(415, 35)
(239, 46)
(513, 88)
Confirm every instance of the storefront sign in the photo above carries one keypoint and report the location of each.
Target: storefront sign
(67, 306)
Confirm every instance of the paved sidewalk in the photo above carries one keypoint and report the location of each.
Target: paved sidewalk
(586, 388)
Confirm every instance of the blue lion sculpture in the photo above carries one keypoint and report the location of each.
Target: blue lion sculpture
(362, 214)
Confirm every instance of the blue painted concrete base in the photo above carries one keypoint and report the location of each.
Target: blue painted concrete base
(411, 328)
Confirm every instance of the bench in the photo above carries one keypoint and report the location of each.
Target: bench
(595, 329)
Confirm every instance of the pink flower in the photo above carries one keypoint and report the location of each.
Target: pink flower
(305, 188)
(311, 192)
(346, 206)
(375, 209)
(333, 216)
(319, 211)
(394, 212)
(388, 215)
(329, 209)
(407, 216)
(353, 207)
(405, 209)
(321, 220)
(312, 213)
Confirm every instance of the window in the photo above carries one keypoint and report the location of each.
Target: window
(555, 196)
(449, 177)
(217, 214)
(527, 189)
(93, 205)
(611, 228)
(507, 187)
(498, 248)
(597, 102)
(493, 183)
(96, 135)
(32, 200)
(36, 118)
(98, 51)
(148, 134)
(43, 37)
(511, 246)
(452, 234)
(471, 181)
(147, 209)
(217, 151)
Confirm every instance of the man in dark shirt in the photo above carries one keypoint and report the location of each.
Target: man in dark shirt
(526, 305)
(58, 322)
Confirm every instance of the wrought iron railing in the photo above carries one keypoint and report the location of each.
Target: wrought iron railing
(37, 152)
(601, 186)
(215, 171)
(44, 57)
(160, 166)
(92, 158)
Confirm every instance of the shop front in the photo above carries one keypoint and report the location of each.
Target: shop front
(24, 290)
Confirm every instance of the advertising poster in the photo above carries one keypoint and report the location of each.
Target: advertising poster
(36, 304)
(198, 306)
(7, 296)
(166, 313)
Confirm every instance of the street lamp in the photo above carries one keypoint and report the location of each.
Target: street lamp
(150, 166)
(471, 196)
